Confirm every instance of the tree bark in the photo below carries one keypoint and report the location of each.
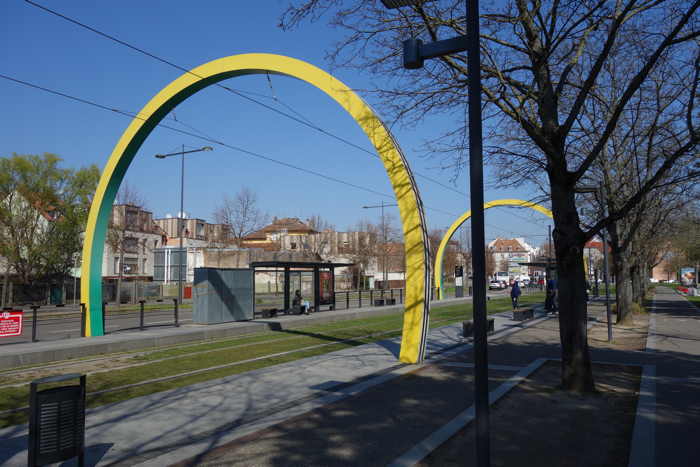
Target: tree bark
(576, 373)
(5, 285)
(623, 286)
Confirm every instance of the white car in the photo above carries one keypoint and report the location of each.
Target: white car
(496, 285)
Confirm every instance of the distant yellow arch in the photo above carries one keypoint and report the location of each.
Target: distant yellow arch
(457, 224)
(416, 303)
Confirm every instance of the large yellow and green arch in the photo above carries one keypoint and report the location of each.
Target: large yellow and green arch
(417, 303)
(462, 219)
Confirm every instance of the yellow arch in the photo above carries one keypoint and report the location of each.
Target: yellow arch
(410, 206)
(453, 228)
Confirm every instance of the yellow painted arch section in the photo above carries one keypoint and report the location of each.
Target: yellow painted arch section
(458, 223)
(417, 301)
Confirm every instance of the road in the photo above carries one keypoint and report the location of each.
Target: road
(55, 323)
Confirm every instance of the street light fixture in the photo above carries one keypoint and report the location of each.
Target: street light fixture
(384, 239)
(182, 209)
(414, 54)
(599, 191)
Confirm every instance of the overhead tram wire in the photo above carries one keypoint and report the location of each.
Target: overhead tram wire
(209, 140)
(238, 93)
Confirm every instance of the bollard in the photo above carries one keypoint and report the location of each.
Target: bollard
(34, 325)
(141, 304)
(359, 294)
(347, 300)
(400, 295)
(82, 320)
(177, 322)
(371, 297)
(104, 317)
(56, 421)
(391, 294)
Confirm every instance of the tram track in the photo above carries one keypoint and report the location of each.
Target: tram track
(217, 367)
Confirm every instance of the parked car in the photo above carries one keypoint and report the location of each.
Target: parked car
(496, 285)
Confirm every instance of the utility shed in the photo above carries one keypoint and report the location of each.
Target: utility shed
(222, 295)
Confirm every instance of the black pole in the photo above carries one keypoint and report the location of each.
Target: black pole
(82, 320)
(34, 322)
(104, 317)
(476, 192)
(401, 295)
(177, 321)
(359, 294)
(347, 300)
(141, 306)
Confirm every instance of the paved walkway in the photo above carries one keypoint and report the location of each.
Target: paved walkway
(173, 425)
(360, 407)
(674, 347)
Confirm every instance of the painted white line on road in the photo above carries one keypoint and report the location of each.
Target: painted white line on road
(643, 450)
(471, 365)
(432, 442)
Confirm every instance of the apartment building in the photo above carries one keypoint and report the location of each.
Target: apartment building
(509, 252)
(132, 238)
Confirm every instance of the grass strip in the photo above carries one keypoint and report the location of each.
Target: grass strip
(363, 331)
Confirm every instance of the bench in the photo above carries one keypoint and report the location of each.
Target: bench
(523, 314)
(468, 327)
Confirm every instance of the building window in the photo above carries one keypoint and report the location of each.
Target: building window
(132, 219)
(130, 244)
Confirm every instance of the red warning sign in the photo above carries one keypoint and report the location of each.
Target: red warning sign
(11, 323)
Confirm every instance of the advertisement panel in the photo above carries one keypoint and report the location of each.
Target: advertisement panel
(688, 276)
(11, 323)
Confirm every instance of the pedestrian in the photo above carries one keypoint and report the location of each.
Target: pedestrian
(514, 294)
(297, 302)
(550, 304)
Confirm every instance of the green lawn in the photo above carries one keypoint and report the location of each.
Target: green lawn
(238, 352)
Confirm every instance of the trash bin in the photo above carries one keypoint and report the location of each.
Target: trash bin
(56, 420)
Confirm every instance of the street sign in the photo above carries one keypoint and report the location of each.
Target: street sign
(11, 323)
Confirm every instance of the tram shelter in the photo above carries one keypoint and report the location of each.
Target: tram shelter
(322, 279)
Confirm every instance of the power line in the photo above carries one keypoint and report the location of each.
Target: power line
(302, 121)
(208, 139)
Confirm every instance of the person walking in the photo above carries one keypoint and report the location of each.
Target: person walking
(515, 294)
(550, 304)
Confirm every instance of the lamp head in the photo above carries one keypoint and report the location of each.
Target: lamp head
(160, 156)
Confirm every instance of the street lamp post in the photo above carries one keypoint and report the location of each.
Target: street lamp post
(415, 52)
(384, 252)
(182, 209)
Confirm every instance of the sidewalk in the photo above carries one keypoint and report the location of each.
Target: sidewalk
(360, 406)
(174, 425)
(674, 347)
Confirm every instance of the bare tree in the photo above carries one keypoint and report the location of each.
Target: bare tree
(543, 63)
(319, 242)
(241, 214)
(490, 262)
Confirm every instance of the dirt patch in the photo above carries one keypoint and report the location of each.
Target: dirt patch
(629, 336)
(536, 424)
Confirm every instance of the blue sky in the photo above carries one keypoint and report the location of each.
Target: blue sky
(43, 49)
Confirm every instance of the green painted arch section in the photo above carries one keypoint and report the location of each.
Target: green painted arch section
(462, 219)
(417, 303)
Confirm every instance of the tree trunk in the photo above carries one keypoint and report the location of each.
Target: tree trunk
(5, 286)
(119, 277)
(623, 286)
(576, 373)
(635, 283)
